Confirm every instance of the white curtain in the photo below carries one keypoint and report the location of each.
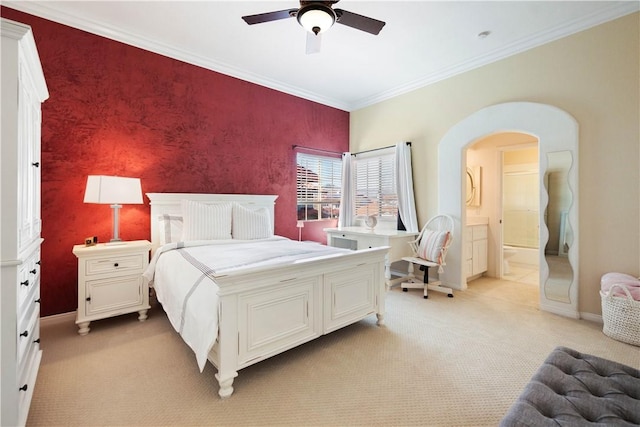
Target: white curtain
(404, 183)
(345, 218)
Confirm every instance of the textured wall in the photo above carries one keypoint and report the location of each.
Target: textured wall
(119, 110)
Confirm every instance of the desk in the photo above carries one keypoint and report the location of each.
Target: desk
(361, 238)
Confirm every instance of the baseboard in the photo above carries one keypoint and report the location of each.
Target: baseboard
(58, 318)
(592, 317)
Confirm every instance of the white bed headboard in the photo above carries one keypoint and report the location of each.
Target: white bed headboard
(170, 203)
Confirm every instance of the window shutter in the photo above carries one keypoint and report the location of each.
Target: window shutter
(375, 185)
(319, 182)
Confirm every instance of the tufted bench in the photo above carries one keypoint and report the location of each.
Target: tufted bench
(575, 389)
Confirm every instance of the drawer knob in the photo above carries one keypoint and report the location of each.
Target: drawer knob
(88, 299)
(37, 301)
(34, 271)
(36, 164)
(25, 283)
(37, 341)
(25, 334)
(115, 264)
(23, 388)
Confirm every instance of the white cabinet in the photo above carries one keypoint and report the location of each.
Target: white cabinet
(475, 250)
(363, 238)
(110, 281)
(23, 91)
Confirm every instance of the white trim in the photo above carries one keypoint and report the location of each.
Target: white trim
(610, 12)
(556, 130)
(58, 318)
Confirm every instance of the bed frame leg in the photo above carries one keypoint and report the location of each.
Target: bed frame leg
(226, 384)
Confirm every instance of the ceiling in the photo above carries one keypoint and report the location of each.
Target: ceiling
(422, 42)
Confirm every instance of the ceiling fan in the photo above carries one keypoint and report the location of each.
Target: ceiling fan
(317, 17)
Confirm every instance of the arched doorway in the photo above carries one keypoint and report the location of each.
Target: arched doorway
(557, 132)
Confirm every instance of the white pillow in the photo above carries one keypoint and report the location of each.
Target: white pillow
(170, 228)
(251, 224)
(206, 221)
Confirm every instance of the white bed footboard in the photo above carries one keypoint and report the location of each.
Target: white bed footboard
(266, 312)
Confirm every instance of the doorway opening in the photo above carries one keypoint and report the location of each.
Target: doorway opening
(557, 133)
(509, 166)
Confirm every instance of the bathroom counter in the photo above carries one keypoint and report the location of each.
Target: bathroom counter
(477, 220)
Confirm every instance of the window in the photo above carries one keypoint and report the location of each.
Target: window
(318, 186)
(375, 184)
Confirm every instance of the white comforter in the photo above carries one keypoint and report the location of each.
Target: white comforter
(182, 275)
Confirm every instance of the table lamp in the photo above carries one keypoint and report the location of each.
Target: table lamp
(115, 191)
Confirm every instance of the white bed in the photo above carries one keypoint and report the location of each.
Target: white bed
(235, 314)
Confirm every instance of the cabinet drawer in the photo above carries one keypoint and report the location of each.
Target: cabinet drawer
(32, 302)
(25, 334)
(28, 277)
(479, 232)
(110, 265)
(366, 242)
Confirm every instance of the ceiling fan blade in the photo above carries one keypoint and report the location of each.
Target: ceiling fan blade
(269, 16)
(313, 43)
(359, 22)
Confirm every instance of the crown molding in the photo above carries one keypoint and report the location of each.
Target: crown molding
(609, 13)
(613, 11)
(42, 10)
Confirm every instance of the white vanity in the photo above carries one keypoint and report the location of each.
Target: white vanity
(475, 246)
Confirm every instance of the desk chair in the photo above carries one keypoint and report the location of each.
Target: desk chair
(429, 250)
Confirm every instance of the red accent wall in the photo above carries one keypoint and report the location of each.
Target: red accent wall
(118, 110)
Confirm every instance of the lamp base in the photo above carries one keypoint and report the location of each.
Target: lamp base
(115, 243)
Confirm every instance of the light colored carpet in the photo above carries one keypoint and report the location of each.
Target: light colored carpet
(458, 361)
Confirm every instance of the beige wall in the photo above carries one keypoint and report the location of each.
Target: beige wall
(594, 76)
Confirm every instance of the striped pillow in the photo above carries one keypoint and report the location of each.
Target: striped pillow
(170, 228)
(432, 244)
(206, 221)
(251, 224)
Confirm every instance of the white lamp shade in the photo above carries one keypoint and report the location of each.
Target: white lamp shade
(113, 190)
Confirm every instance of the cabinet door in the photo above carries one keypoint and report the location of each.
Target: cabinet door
(349, 296)
(277, 319)
(479, 256)
(29, 122)
(113, 295)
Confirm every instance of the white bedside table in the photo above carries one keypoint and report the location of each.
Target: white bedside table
(110, 281)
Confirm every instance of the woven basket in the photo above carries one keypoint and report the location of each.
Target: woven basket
(621, 316)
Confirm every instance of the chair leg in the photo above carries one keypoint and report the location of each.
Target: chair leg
(433, 286)
(425, 280)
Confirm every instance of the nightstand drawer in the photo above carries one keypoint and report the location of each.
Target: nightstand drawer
(115, 264)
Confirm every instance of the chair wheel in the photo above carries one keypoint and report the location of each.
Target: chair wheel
(426, 297)
(404, 289)
(450, 295)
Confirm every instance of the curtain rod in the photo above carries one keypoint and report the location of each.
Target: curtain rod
(376, 149)
(315, 149)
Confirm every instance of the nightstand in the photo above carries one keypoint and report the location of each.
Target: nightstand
(110, 281)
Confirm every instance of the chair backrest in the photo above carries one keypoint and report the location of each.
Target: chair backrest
(439, 223)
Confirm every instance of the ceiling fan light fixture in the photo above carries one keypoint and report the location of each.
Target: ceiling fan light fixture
(316, 18)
